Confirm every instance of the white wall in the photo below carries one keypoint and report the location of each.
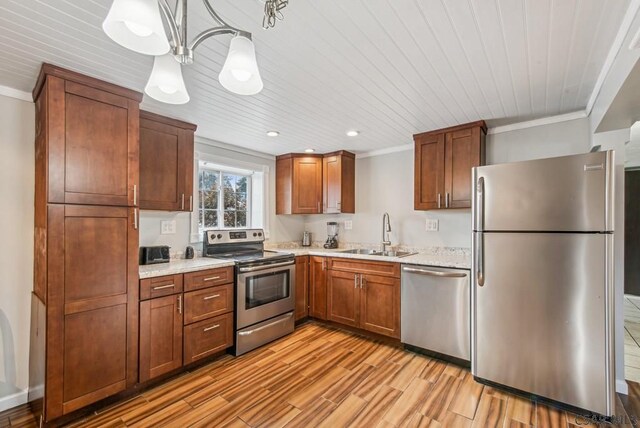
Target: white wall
(281, 228)
(385, 184)
(16, 252)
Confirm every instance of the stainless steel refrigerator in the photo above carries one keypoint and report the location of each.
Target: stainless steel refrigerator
(542, 278)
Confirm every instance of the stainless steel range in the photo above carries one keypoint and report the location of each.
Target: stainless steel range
(265, 286)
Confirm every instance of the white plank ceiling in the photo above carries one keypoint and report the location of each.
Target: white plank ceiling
(389, 68)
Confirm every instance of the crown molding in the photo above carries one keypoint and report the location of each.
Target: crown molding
(581, 114)
(623, 32)
(385, 151)
(232, 148)
(15, 93)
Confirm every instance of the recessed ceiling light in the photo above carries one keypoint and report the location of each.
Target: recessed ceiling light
(309, 150)
(353, 133)
(273, 133)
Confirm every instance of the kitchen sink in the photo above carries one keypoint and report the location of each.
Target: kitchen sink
(368, 252)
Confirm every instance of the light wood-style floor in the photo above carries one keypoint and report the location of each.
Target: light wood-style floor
(321, 376)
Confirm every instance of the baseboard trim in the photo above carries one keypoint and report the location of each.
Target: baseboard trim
(622, 387)
(13, 400)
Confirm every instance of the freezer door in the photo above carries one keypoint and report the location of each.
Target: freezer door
(570, 193)
(542, 321)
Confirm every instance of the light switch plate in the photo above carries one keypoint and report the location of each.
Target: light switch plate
(348, 224)
(168, 227)
(431, 225)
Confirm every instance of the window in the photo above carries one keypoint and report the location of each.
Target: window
(224, 199)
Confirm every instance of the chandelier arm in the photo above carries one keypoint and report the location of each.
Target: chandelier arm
(215, 15)
(171, 21)
(217, 31)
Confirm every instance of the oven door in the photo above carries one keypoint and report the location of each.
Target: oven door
(264, 292)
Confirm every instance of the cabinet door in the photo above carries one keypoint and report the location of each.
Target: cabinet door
(429, 172)
(302, 287)
(166, 165)
(93, 145)
(332, 184)
(463, 151)
(160, 336)
(92, 305)
(343, 299)
(307, 185)
(318, 287)
(380, 305)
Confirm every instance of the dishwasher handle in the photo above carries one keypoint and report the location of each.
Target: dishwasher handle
(434, 272)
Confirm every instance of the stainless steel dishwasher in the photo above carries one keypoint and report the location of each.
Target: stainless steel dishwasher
(435, 310)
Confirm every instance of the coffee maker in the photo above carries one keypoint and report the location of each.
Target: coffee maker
(332, 235)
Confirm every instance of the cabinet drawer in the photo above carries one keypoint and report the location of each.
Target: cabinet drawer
(365, 266)
(160, 286)
(207, 337)
(207, 278)
(207, 303)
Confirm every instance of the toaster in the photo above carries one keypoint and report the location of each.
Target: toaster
(152, 255)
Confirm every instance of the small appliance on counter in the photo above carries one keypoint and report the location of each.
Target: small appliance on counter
(306, 239)
(153, 255)
(332, 235)
(189, 253)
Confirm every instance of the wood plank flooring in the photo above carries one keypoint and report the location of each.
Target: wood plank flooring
(324, 377)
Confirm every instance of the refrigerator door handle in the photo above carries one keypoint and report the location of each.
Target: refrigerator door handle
(480, 229)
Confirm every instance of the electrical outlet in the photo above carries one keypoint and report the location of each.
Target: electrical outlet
(348, 224)
(168, 227)
(431, 225)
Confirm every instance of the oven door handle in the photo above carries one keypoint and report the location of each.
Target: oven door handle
(255, 330)
(264, 267)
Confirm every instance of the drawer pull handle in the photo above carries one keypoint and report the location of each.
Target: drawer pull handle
(211, 297)
(213, 327)
(213, 278)
(162, 287)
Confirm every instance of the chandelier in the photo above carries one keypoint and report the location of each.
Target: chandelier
(137, 25)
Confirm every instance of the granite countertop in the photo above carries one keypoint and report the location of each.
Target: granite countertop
(437, 256)
(177, 266)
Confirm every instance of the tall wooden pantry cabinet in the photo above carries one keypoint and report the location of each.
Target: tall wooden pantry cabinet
(85, 297)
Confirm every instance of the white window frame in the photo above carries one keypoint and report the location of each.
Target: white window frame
(257, 207)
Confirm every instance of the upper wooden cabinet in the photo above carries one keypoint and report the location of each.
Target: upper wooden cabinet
(338, 182)
(443, 162)
(86, 139)
(315, 184)
(166, 163)
(299, 184)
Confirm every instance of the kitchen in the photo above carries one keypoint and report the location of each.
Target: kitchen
(345, 356)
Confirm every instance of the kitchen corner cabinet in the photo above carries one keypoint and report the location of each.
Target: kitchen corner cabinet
(299, 184)
(166, 163)
(338, 182)
(318, 287)
(365, 295)
(302, 287)
(88, 133)
(443, 162)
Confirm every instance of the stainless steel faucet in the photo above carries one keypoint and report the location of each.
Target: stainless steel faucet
(386, 229)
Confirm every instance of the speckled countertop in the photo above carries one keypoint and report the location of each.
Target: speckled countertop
(181, 266)
(459, 258)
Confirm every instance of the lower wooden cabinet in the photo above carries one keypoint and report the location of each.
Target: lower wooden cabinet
(206, 303)
(302, 287)
(207, 337)
(160, 336)
(318, 287)
(343, 298)
(364, 300)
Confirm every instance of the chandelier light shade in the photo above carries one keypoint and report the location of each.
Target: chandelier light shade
(137, 25)
(240, 72)
(166, 83)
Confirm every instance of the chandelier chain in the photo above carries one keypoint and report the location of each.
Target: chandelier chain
(272, 12)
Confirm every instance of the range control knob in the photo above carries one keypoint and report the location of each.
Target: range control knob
(212, 236)
(255, 234)
(259, 233)
(219, 235)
